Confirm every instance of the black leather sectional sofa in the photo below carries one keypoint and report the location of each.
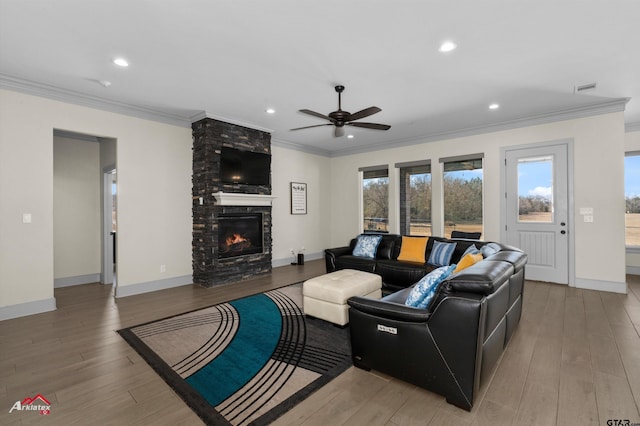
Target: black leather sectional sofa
(453, 346)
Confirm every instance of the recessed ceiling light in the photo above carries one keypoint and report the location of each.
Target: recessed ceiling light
(270, 111)
(350, 136)
(447, 46)
(121, 62)
(494, 106)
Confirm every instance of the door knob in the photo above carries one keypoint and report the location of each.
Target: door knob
(562, 224)
(563, 232)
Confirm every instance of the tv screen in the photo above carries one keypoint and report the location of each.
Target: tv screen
(250, 168)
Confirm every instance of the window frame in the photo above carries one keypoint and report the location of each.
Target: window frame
(460, 159)
(405, 170)
(363, 171)
(635, 249)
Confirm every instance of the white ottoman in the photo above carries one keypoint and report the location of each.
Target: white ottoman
(325, 297)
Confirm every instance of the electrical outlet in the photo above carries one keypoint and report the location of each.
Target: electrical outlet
(163, 269)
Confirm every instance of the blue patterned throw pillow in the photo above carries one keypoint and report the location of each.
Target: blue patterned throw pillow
(367, 245)
(471, 249)
(423, 292)
(441, 253)
(489, 249)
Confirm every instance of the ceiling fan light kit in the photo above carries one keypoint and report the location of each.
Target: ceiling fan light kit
(340, 118)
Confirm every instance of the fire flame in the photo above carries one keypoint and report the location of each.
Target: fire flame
(235, 238)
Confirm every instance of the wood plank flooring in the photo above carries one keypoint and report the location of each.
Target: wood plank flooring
(574, 360)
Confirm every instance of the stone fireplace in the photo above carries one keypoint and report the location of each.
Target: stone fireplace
(231, 222)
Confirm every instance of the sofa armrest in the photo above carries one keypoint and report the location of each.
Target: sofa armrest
(331, 254)
(388, 310)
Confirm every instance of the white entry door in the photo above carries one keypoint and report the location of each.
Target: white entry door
(537, 210)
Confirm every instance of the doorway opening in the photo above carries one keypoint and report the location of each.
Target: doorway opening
(109, 227)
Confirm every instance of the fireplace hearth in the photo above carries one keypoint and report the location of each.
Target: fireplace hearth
(239, 235)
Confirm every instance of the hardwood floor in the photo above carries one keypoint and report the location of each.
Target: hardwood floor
(574, 360)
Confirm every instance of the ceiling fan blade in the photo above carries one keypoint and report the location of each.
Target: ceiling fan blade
(315, 114)
(364, 113)
(338, 132)
(308, 127)
(374, 126)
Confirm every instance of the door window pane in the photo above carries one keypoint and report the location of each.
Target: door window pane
(462, 196)
(535, 190)
(375, 200)
(632, 199)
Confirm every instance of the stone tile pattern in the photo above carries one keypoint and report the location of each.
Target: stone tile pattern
(209, 136)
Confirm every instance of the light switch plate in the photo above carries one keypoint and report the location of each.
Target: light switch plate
(26, 217)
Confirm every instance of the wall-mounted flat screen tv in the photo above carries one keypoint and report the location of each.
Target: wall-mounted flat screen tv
(250, 168)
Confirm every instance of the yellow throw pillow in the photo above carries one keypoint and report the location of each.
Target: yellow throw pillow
(468, 260)
(413, 249)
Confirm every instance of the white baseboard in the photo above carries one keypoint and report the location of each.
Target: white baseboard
(133, 289)
(633, 270)
(287, 261)
(611, 286)
(28, 308)
(77, 280)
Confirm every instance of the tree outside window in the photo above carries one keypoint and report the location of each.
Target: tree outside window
(462, 195)
(375, 200)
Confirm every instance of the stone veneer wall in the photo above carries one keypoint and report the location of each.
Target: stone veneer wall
(209, 136)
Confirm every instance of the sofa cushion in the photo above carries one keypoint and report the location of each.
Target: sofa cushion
(441, 253)
(356, 262)
(367, 245)
(396, 274)
(386, 246)
(423, 292)
(482, 278)
(468, 260)
(413, 249)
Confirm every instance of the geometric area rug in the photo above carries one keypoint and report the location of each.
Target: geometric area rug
(247, 361)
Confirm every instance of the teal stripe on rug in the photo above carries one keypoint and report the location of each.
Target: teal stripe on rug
(256, 339)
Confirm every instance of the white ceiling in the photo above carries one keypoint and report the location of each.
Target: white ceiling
(232, 59)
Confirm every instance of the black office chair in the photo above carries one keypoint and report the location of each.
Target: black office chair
(466, 235)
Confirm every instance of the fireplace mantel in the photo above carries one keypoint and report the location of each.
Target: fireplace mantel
(237, 199)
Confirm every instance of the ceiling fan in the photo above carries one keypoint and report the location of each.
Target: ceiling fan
(341, 118)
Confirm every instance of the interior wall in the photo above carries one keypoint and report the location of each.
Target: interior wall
(311, 230)
(154, 200)
(76, 211)
(598, 183)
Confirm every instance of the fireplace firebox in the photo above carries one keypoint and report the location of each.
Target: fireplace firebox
(240, 234)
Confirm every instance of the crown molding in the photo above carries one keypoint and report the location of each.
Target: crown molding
(605, 107)
(632, 127)
(204, 114)
(51, 92)
(74, 135)
(299, 147)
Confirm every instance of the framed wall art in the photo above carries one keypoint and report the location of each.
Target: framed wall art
(298, 198)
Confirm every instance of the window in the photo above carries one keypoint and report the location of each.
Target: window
(375, 198)
(415, 198)
(462, 193)
(535, 189)
(632, 198)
